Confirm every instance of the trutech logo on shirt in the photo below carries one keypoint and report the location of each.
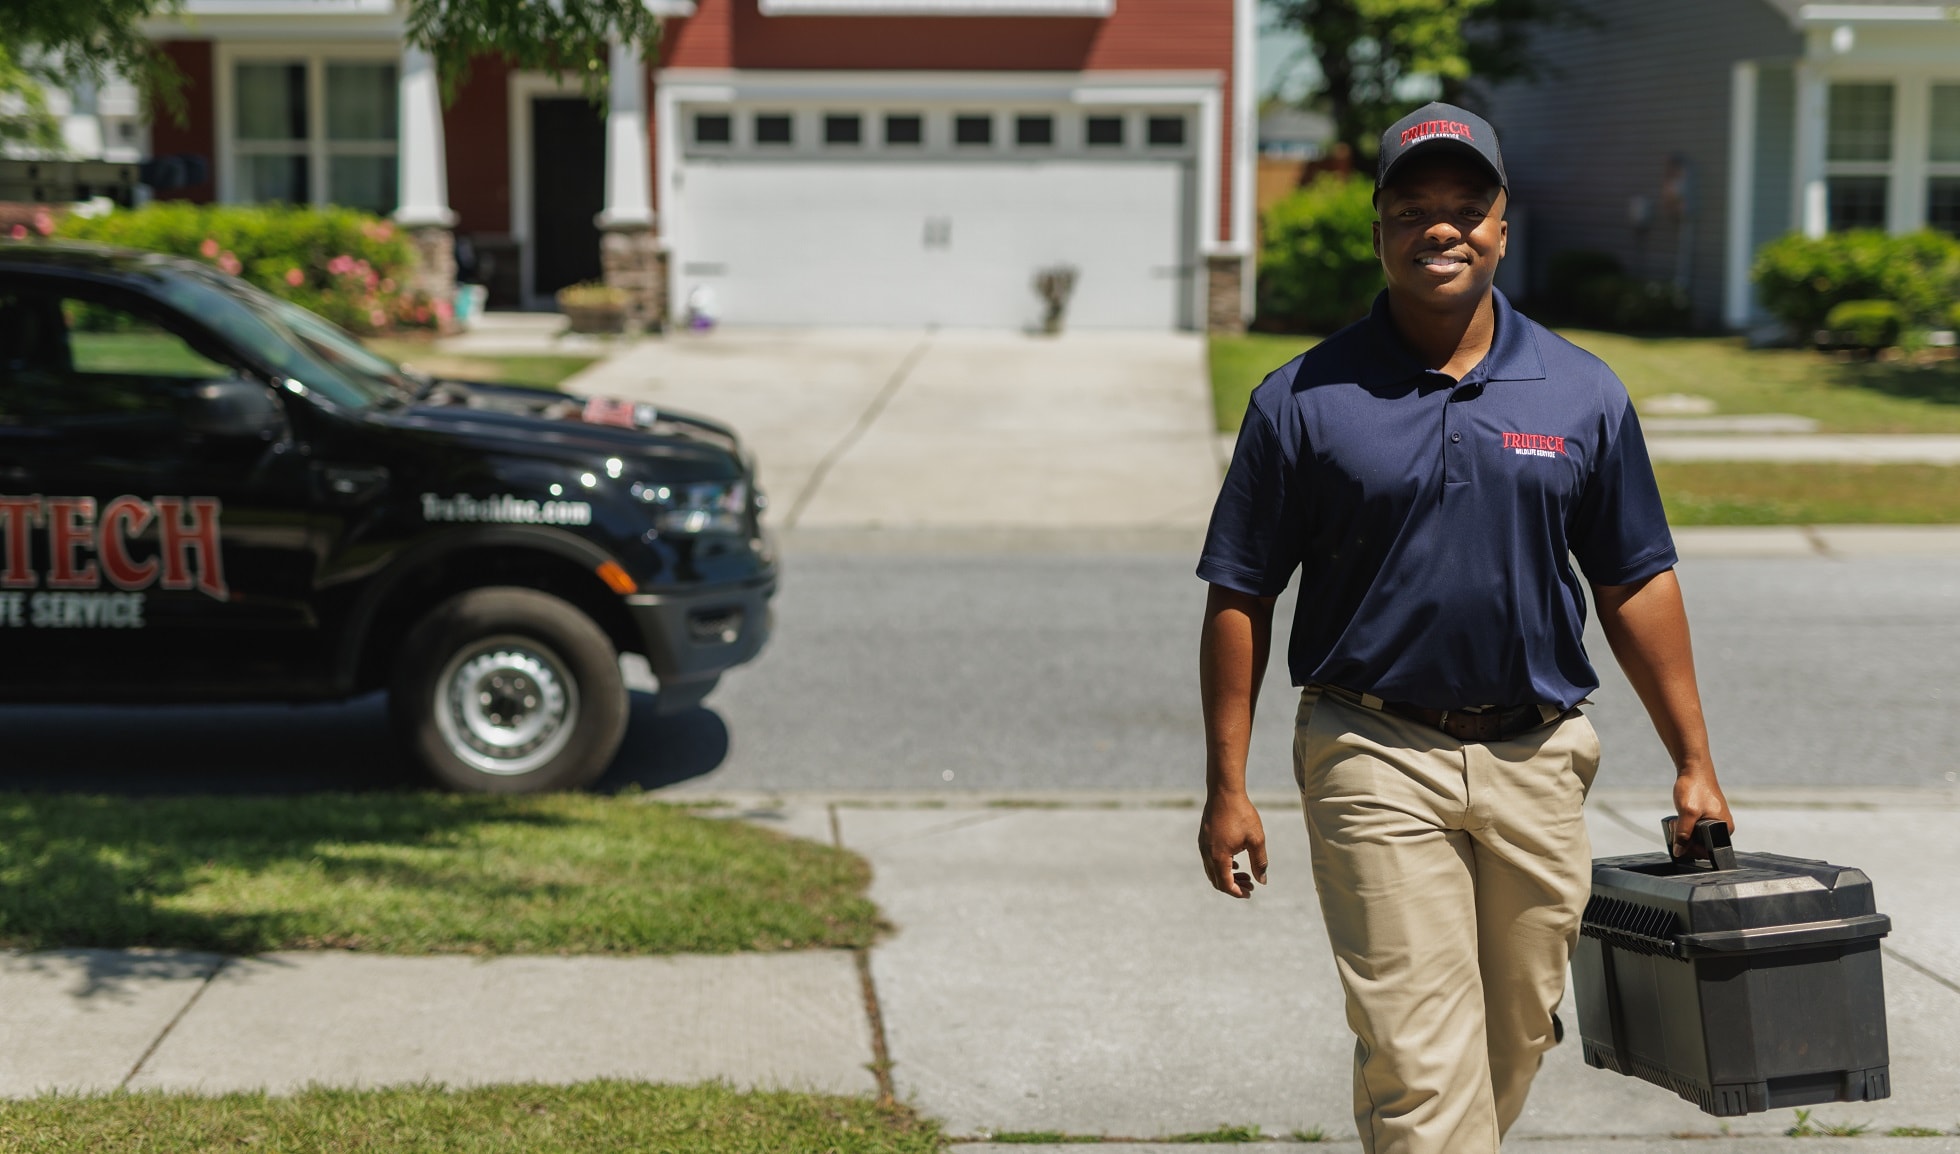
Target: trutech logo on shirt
(1534, 444)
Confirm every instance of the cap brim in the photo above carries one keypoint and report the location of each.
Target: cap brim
(1439, 147)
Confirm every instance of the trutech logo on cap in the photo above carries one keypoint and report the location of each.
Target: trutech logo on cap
(1452, 129)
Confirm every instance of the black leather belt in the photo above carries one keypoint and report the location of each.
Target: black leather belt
(1500, 723)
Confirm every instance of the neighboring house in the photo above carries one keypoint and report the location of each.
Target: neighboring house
(1682, 135)
(807, 162)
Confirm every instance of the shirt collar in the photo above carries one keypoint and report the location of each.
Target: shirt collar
(1513, 354)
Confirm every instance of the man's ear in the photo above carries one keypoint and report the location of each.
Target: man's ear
(1376, 227)
(1503, 237)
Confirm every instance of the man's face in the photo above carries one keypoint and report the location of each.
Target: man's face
(1441, 232)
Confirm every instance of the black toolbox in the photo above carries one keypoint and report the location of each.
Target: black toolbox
(1741, 981)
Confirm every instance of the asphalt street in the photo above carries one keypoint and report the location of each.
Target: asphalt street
(989, 669)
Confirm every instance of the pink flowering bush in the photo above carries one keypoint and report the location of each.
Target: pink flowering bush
(347, 266)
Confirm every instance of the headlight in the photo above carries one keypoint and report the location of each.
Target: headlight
(699, 507)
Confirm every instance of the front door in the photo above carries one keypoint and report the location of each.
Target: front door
(568, 166)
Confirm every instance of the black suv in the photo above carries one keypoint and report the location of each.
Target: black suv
(211, 494)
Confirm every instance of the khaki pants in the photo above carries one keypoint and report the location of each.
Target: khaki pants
(1452, 877)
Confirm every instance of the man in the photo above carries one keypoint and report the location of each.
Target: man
(1428, 470)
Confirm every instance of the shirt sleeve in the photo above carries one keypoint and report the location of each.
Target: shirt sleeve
(1619, 531)
(1253, 544)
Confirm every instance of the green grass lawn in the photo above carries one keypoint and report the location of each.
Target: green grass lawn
(1756, 493)
(416, 873)
(538, 372)
(1844, 396)
(587, 1118)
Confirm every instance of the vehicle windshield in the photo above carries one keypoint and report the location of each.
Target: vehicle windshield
(295, 342)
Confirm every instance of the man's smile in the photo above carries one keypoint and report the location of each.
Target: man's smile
(1443, 263)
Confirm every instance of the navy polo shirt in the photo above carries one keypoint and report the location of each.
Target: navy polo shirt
(1431, 519)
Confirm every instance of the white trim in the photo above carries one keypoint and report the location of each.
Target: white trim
(629, 193)
(288, 7)
(316, 55)
(422, 161)
(669, 7)
(1245, 143)
(1743, 80)
(520, 89)
(1808, 191)
(1840, 13)
(1093, 8)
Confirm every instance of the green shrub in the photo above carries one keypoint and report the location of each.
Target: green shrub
(1317, 264)
(346, 265)
(1865, 324)
(1801, 279)
(1592, 290)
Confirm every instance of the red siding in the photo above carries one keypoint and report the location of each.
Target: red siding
(476, 136)
(1182, 35)
(197, 135)
(1172, 34)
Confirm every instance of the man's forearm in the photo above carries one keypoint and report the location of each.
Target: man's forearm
(1232, 657)
(1647, 626)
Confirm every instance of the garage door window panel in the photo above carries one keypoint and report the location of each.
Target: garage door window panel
(1103, 131)
(1034, 131)
(904, 130)
(973, 130)
(1165, 132)
(714, 129)
(775, 129)
(843, 129)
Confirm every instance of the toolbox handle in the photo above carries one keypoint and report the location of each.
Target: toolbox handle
(1709, 843)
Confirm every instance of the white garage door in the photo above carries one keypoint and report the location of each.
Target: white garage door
(949, 244)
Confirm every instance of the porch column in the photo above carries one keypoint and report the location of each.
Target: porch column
(629, 249)
(1812, 197)
(422, 179)
(1736, 297)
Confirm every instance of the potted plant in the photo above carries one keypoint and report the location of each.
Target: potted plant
(1054, 285)
(593, 307)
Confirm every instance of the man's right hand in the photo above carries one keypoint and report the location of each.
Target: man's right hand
(1231, 826)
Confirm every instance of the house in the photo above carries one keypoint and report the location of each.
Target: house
(1683, 135)
(804, 162)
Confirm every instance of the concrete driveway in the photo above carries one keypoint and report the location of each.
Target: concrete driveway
(951, 429)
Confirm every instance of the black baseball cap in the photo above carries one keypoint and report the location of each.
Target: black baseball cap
(1433, 128)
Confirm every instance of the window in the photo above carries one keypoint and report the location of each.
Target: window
(315, 131)
(1034, 130)
(774, 128)
(973, 128)
(843, 128)
(70, 358)
(905, 128)
(1943, 186)
(714, 128)
(1104, 131)
(1857, 202)
(1165, 131)
(272, 131)
(1858, 155)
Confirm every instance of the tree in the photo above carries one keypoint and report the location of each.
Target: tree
(556, 36)
(1369, 50)
(60, 43)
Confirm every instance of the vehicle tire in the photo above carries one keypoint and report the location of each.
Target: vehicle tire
(508, 690)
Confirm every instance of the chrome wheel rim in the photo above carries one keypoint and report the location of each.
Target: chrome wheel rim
(506, 705)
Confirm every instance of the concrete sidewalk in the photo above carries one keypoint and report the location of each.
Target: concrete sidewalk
(1057, 964)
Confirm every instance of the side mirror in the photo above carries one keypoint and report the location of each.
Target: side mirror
(235, 410)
